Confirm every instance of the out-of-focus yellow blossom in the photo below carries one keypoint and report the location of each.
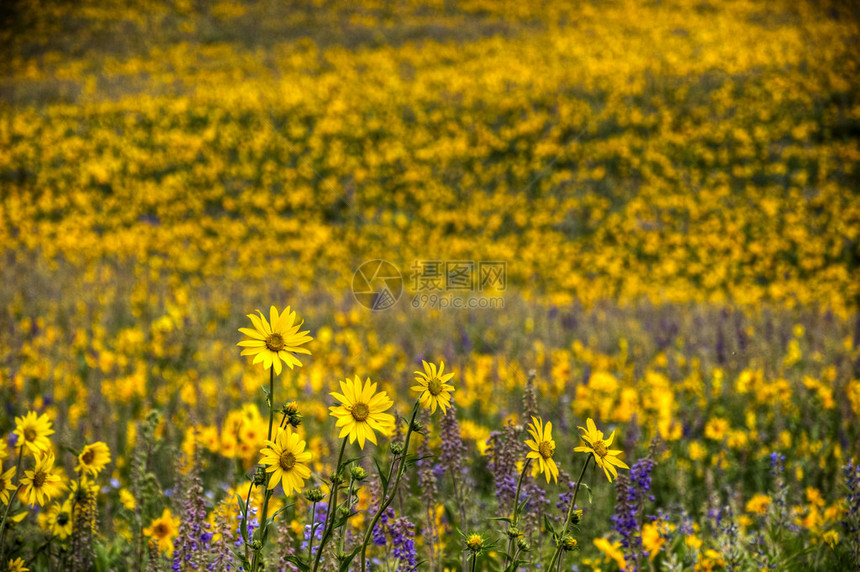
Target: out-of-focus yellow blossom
(163, 530)
(758, 504)
(611, 550)
(32, 431)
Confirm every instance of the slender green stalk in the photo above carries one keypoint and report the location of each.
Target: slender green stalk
(558, 548)
(258, 552)
(9, 506)
(332, 505)
(349, 510)
(245, 517)
(392, 491)
(474, 561)
(313, 528)
(516, 515)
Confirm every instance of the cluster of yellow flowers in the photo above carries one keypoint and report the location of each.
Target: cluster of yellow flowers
(44, 482)
(608, 165)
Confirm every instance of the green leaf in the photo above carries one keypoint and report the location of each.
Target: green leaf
(522, 504)
(243, 527)
(548, 524)
(417, 566)
(382, 478)
(589, 492)
(271, 519)
(298, 562)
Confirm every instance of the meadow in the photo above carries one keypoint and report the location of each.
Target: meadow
(616, 327)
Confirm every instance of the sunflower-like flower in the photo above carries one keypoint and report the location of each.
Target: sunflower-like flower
(542, 448)
(93, 458)
(287, 460)
(276, 340)
(361, 411)
(17, 565)
(32, 432)
(432, 385)
(41, 484)
(474, 542)
(605, 458)
(163, 530)
(6, 485)
(59, 519)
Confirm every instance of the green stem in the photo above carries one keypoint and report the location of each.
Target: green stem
(474, 561)
(558, 548)
(349, 510)
(263, 530)
(331, 510)
(515, 518)
(387, 501)
(12, 497)
(313, 529)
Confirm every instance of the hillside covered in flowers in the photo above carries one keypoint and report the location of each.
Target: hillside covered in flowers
(591, 269)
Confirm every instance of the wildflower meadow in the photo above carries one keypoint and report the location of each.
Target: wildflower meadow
(429, 285)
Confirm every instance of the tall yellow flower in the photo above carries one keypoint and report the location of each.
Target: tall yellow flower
(605, 458)
(542, 448)
(41, 484)
(163, 530)
(287, 460)
(361, 411)
(32, 432)
(433, 387)
(276, 340)
(93, 458)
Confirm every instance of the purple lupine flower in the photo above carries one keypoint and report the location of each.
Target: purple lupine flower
(382, 526)
(285, 548)
(403, 543)
(319, 520)
(222, 555)
(632, 490)
(192, 543)
(400, 532)
(452, 446)
(253, 524)
(503, 449)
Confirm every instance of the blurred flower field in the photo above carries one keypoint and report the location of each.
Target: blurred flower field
(665, 375)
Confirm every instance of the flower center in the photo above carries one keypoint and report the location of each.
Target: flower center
(29, 434)
(39, 479)
(275, 342)
(160, 530)
(546, 449)
(360, 411)
(62, 518)
(600, 448)
(434, 386)
(87, 457)
(287, 461)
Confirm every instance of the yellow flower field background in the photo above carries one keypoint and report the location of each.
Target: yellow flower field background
(672, 186)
